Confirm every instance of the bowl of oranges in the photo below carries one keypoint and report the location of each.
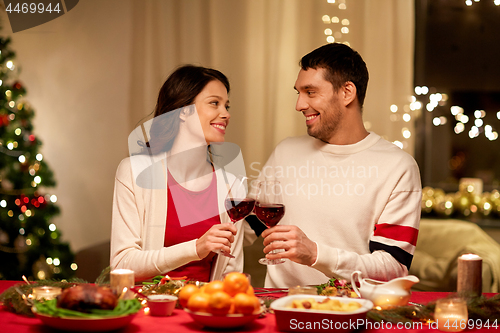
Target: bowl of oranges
(221, 304)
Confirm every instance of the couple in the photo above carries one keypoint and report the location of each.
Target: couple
(356, 208)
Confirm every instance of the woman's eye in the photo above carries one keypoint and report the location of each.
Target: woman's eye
(215, 103)
(228, 107)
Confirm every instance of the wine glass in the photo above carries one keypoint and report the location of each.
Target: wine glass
(269, 209)
(238, 205)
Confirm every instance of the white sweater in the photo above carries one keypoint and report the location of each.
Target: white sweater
(139, 220)
(338, 195)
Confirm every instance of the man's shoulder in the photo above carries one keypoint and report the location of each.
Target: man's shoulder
(390, 151)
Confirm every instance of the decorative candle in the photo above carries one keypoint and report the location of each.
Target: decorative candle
(470, 270)
(451, 315)
(121, 279)
(46, 292)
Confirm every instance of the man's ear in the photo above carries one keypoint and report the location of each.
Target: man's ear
(349, 92)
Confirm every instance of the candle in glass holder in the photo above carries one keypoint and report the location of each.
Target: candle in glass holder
(46, 292)
(469, 279)
(451, 315)
(121, 279)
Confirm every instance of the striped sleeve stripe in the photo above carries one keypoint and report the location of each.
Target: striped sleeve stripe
(399, 254)
(397, 232)
(390, 242)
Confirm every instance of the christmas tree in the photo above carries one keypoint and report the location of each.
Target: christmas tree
(30, 244)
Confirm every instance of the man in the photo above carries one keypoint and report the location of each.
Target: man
(352, 199)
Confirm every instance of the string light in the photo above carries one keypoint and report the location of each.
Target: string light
(334, 35)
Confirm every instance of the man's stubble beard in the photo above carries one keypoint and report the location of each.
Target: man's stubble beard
(329, 123)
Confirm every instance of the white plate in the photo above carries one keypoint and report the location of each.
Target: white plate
(78, 324)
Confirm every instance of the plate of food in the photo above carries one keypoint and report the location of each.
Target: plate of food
(311, 313)
(87, 308)
(222, 321)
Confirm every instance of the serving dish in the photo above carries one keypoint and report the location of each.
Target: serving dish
(307, 320)
(227, 321)
(76, 324)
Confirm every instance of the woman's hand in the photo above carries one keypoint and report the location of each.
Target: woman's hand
(218, 237)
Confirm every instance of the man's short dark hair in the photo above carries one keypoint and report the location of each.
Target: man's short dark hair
(342, 64)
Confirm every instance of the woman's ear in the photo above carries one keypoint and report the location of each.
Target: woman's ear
(349, 92)
(183, 114)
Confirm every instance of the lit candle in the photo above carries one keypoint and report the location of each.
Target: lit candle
(46, 292)
(121, 279)
(451, 315)
(469, 279)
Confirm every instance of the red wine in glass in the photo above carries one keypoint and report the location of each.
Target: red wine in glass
(270, 208)
(269, 214)
(238, 209)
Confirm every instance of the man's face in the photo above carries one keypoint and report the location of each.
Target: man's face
(319, 103)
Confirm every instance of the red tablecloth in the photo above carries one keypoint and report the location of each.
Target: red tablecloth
(181, 322)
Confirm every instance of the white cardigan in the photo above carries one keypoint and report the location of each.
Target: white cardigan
(139, 221)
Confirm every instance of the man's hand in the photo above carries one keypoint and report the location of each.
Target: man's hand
(297, 246)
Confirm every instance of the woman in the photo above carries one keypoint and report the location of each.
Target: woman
(168, 205)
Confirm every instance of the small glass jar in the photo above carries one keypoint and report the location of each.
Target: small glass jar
(451, 314)
(299, 290)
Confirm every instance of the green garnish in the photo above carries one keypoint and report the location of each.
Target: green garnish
(124, 307)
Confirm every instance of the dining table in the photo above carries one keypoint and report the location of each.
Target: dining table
(181, 322)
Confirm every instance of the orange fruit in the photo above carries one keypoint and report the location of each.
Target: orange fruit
(198, 302)
(250, 291)
(235, 283)
(244, 303)
(219, 303)
(186, 292)
(214, 286)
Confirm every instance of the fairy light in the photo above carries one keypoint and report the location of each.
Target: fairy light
(398, 143)
(48, 261)
(52, 227)
(74, 266)
(394, 108)
(337, 34)
(406, 117)
(406, 133)
(39, 157)
(56, 262)
(53, 198)
(3, 203)
(459, 128)
(22, 158)
(10, 65)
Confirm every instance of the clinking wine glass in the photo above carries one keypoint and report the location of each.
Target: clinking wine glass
(269, 209)
(238, 205)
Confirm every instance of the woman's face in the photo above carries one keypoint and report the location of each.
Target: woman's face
(212, 105)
